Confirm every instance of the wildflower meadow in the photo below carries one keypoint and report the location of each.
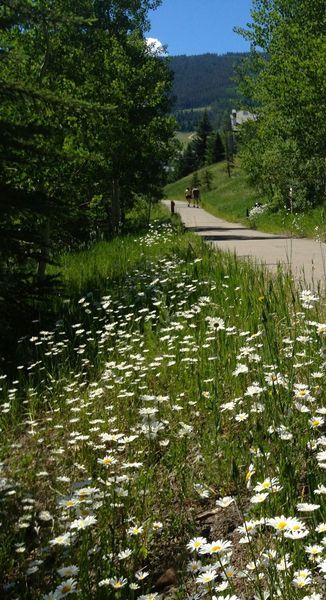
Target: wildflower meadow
(165, 437)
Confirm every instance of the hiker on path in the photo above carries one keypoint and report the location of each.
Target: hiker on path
(188, 195)
(196, 197)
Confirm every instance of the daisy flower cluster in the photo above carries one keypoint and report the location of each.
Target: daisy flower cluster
(169, 399)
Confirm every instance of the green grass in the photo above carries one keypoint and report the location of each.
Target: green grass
(231, 197)
(184, 136)
(89, 269)
(189, 376)
(310, 224)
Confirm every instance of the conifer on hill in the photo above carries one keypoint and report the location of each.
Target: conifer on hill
(200, 141)
(215, 151)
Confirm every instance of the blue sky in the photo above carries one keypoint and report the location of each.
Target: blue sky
(199, 26)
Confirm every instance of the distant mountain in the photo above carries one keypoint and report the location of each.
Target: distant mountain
(204, 80)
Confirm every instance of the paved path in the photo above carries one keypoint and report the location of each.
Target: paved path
(305, 258)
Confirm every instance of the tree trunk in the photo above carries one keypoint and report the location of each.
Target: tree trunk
(122, 213)
(44, 256)
(115, 207)
(149, 208)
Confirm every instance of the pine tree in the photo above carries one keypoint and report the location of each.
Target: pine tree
(229, 143)
(215, 151)
(200, 141)
(188, 161)
(195, 180)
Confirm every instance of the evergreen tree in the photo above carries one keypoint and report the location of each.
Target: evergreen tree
(188, 161)
(200, 141)
(215, 150)
(195, 180)
(205, 80)
(228, 142)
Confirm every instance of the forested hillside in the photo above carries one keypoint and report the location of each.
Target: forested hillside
(205, 80)
(201, 80)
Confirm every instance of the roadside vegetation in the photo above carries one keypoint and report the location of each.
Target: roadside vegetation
(162, 405)
(164, 438)
(282, 147)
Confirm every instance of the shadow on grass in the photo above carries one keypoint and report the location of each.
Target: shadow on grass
(99, 270)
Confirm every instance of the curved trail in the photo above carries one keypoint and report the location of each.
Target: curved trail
(305, 258)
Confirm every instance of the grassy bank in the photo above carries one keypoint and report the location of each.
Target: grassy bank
(185, 136)
(231, 197)
(152, 444)
(90, 269)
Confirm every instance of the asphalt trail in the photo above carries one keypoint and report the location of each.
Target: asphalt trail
(304, 258)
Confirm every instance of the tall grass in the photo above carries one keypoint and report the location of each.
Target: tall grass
(167, 440)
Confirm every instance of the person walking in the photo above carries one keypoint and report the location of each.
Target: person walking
(196, 196)
(188, 195)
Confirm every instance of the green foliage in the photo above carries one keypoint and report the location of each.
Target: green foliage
(215, 151)
(205, 83)
(186, 161)
(84, 129)
(231, 197)
(207, 180)
(200, 141)
(195, 180)
(205, 147)
(285, 147)
(228, 198)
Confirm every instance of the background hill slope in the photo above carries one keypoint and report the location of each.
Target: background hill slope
(204, 81)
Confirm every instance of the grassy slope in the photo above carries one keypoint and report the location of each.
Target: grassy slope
(184, 136)
(230, 197)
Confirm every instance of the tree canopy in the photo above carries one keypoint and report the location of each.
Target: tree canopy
(285, 147)
(84, 128)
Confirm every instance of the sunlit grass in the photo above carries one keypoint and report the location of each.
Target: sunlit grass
(185, 136)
